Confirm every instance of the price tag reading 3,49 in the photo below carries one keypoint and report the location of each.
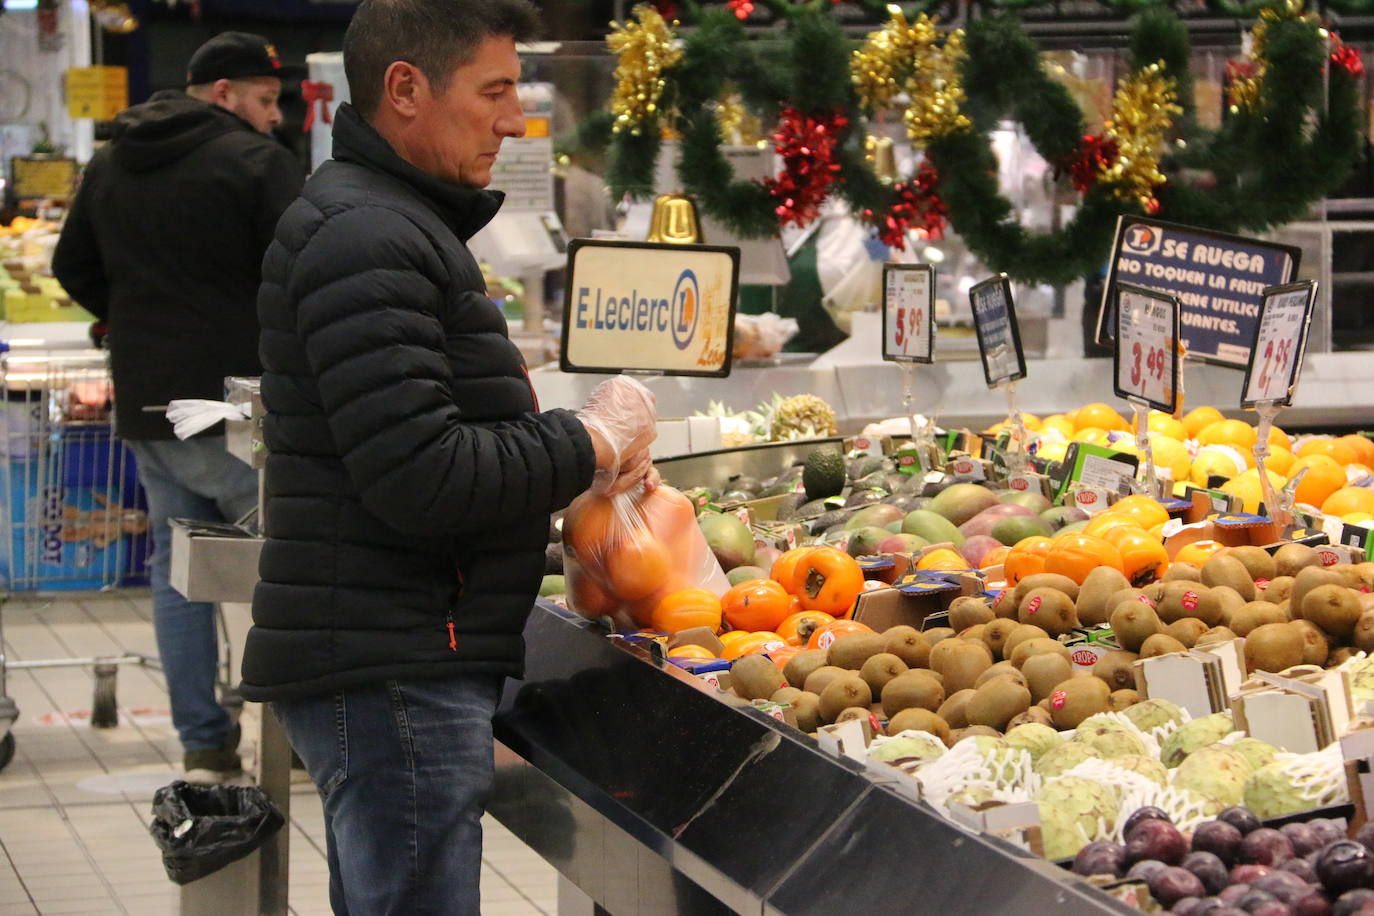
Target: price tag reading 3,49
(999, 337)
(1147, 346)
(908, 312)
(1280, 342)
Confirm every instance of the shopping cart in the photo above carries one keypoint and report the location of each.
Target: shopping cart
(73, 514)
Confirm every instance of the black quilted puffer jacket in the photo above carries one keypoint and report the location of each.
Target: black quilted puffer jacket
(410, 476)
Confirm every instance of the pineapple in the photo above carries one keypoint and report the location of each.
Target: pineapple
(802, 416)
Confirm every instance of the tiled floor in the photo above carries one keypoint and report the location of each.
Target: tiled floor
(75, 801)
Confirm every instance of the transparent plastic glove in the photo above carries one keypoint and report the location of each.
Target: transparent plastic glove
(620, 412)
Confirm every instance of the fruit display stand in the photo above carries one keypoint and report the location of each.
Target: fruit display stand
(652, 795)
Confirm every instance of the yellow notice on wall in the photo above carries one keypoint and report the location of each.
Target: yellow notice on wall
(97, 92)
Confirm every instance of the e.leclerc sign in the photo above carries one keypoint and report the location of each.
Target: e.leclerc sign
(1219, 281)
(649, 307)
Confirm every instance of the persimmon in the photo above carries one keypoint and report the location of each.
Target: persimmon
(731, 635)
(1198, 552)
(1143, 557)
(827, 633)
(942, 558)
(994, 556)
(827, 579)
(1026, 558)
(785, 565)
(756, 604)
(637, 564)
(687, 608)
(763, 641)
(691, 651)
(797, 627)
(1141, 509)
(1349, 500)
(1075, 555)
(782, 655)
(586, 597)
(1103, 522)
(587, 522)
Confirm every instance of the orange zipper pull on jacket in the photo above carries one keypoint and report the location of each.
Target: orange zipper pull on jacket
(452, 638)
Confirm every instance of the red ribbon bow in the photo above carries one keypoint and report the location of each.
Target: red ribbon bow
(317, 92)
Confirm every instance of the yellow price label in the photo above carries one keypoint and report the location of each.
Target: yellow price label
(97, 92)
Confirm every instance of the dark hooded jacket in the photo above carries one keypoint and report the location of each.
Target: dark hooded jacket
(164, 242)
(410, 474)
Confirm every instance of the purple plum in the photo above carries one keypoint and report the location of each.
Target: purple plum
(1284, 885)
(1143, 869)
(1240, 818)
(1345, 865)
(1302, 837)
(1314, 904)
(1234, 893)
(1265, 846)
(1272, 908)
(1211, 871)
(1220, 839)
(1327, 830)
(1100, 857)
(1351, 901)
(1171, 884)
(1244, 874)
(1148, 813)
(1302, 868)
(1154, 839)
(1365, 835)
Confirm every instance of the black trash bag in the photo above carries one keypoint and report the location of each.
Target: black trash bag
(201, 829)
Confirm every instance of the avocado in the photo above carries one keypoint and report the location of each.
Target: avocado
(824, 474)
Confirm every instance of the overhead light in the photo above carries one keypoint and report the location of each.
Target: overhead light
(21, 4)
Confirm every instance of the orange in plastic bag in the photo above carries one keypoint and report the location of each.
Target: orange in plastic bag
(624, 555)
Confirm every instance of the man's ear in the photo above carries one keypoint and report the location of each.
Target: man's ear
(222, 93)
(404, 88)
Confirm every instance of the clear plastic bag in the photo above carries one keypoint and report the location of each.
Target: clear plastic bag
(622, 556)
(762, 336)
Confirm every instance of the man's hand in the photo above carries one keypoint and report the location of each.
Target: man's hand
(619, 417)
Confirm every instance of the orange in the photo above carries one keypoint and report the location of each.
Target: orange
(1098, 415)
(637, 565)
(796, 628)
(1248, 488)
(1362, 446)
(1075, 555)
(1093, 435)
(1143, 558)
(1235, 433)
(1349, 500)
(1199, 417)
(1198, 552)
(1280, 460)
(993, 557)
(1026, 558)
(731, 636)
(762, 641)
(1338, 451)
(1059, 423)
(668, 511)
(824, 635)
(687, 608)
(1163, 424)
(942, 558)
(785, 565)
(758, 604)
(1279, 438)
(1322, 478)
(691, 651)
(587, 524)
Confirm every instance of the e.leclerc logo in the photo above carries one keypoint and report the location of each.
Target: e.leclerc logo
(680, 315)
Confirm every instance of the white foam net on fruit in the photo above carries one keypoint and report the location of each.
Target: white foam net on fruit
(1152, 743)
(1319, 777)
(1161, 733)
(1135, 791)
(1006, 773)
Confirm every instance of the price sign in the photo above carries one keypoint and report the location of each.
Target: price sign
(908, 313)
(1280, 343)
(999, 337)
(1147, 346)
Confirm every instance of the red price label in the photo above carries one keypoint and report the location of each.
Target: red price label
(1146, 344)
(908, 299)
(1279, 345)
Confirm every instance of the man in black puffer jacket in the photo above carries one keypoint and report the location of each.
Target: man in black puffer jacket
(410, 475)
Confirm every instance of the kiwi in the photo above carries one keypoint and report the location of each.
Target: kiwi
(856, 712)
(1004, 604)
(1127, 594)
(960, 661)
(1019, 635)
(1045, 580)
(1188, 599)
(786, 695)
(1214, 636)
(1355, 577)
(995, 635)
(921, 720)
(999, 669)
(843, 692)
(807, 708)
(1363, 634)
(1100, 584)
(1033, 716)
(908, 644)
(937, 634)
(1161, 644)
(1307, 579)
(972, 731)
(1256, 614)
(755, 677)
(1178, 572)
(1042, 672)
(1316, 647)
(1229, 601)
(1334, 608)
(881, 668)
(1258, 562)
(1290, 558)
(1049, 609)
(851, 651)
(952, 710)
(1134, 622)
(910, 691)
(974, 632)
(996, 702)
(1224, 569)
(818, 680)
(1279, 588)
(1273, 647)
(800, 666)
(967, 611)
(1122, 699)
(1186, 630)
(1115, 669)
(1041, 646)
(1154, 591)
(1075, 699)
(1367, 601)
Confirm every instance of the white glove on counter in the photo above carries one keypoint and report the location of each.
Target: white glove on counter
(189, 416)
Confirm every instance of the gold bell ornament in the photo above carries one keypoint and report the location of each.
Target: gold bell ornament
(882, 155)
(674, 220)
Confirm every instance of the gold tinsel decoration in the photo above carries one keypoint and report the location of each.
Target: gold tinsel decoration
(1143, 110)
(908, 57)
(1243, 89)
(644, 49)
(738, 126)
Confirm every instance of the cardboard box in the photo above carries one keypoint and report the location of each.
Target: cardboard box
(1201, 681)
(1016, 822)
(910, 604)
(1301, 714)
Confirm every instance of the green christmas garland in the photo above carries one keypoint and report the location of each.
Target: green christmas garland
(1262, 169)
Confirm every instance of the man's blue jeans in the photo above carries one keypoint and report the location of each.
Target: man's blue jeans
(195, 479)
(405, 770)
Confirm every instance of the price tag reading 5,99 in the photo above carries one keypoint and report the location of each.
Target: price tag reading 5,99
(908, 312)
(1147, 346)
(1280, 342)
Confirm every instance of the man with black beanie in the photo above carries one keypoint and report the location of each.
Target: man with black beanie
(164, 245)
